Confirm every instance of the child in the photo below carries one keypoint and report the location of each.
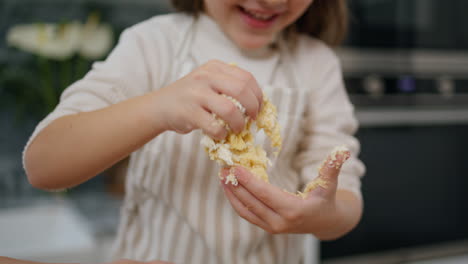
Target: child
(154, 96)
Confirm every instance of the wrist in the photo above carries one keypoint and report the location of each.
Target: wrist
(156, 112)
(326, 221)
(343, 216)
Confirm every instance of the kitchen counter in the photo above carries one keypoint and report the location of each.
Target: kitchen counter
(78, 226)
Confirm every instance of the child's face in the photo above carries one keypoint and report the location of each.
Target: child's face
(253, 24)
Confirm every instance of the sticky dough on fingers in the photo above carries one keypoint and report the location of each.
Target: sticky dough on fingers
(335, 159)
(240, 149)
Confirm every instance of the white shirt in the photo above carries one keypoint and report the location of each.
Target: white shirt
(174, 208)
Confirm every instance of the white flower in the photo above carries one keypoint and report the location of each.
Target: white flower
(53, 41)
(62, 41)
(96, 39)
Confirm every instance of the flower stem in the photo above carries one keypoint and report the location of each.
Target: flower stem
(81, 68)
(65, 74)
(47, 90)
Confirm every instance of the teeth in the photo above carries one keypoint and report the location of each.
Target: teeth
(259, 16)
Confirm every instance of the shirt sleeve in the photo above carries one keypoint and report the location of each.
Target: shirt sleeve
(329, 122)
(123, 75)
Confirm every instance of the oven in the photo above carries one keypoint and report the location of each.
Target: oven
(405, 66)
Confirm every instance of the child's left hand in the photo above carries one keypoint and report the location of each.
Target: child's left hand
(277, 211)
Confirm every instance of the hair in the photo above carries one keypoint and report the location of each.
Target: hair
(326, 20)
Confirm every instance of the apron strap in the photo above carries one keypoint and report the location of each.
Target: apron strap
(287, 65)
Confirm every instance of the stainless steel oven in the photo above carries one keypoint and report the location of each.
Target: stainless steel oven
(406, 70)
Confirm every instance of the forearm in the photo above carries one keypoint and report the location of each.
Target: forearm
(346, 216)
(75, 148)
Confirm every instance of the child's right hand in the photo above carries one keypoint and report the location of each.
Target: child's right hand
(188, 103)
(101, 138)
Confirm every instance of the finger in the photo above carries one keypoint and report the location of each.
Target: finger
(242, 210)
(246, 76)
(276, 199)
(252, 203)
(210, 126)
(224, 109)
(237, 89)
(239, 73)
(326, 183)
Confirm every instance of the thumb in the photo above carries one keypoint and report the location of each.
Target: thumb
(326, 182)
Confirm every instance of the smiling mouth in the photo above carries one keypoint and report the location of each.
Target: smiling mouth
(258, 16)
